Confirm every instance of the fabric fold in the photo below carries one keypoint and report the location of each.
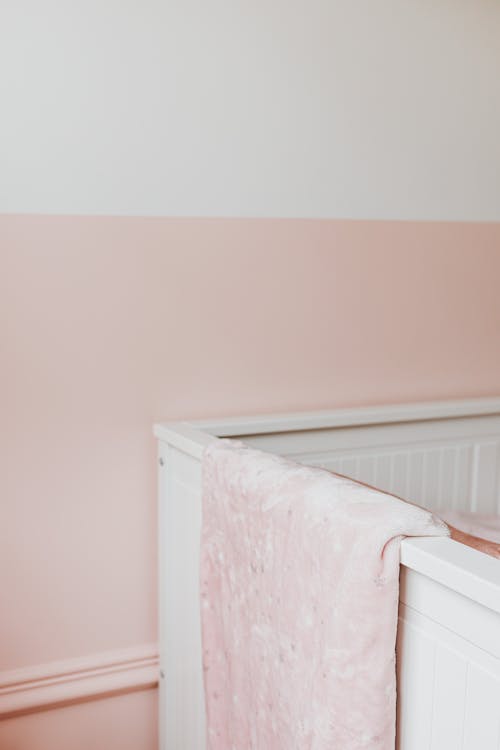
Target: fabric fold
(299, 598)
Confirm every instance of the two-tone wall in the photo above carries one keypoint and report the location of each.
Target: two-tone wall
(343, 163)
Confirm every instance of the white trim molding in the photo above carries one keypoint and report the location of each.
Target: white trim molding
(40, 687)
(192, 437)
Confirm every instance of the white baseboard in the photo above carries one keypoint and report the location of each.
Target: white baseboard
(75, 680)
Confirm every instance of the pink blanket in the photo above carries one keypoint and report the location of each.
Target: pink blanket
(299, 586)
(486, 526)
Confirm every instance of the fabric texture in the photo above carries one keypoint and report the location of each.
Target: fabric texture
(299, 599)
(483, 525)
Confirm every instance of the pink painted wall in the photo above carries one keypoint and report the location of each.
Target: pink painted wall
(125, 722)
(110, 324)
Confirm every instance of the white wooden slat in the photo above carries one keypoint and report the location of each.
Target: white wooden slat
(416, 476)
(448, 475)
(367, 469)
(378, 437)
(448, 453)
(400, 473)
(163, 708)
(383, 471)
(431, 478)
(358, 417)
(348, 466)
(450, 681)
(463, 682)
(440, 632)
(462, 478)
(482, 711)
(332, 464)
(467, 576)
(415, 669)
(484, 471)
(182, 696)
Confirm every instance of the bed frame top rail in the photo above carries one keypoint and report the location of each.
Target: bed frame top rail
(451, 564)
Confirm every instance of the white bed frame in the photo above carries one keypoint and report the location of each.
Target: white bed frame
(440, 455)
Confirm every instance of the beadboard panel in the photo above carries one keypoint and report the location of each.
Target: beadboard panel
(448, 688)
(452, 464)
(459, 476)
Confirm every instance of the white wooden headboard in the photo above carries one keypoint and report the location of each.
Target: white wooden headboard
(443, 454)
(440, 454)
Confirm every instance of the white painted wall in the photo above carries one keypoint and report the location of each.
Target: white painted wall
(321, 108)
